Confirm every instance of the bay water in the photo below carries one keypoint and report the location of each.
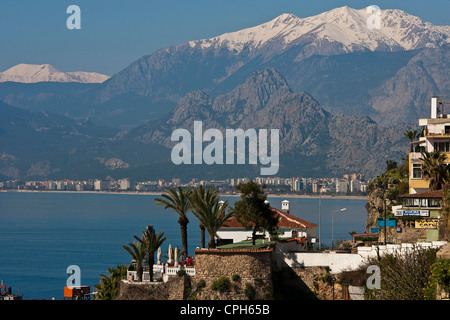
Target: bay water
(42, 233)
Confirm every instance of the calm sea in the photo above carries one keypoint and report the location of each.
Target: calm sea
(41, 233)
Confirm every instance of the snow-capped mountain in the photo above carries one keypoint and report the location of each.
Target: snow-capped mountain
(347, 66)
(344, 26)
(32, 73)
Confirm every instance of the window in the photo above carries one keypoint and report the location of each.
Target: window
(417, 171)
(423, 203)
(442, 146)
(435, 203)
(407, 202)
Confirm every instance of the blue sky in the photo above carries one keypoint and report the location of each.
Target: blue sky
(115, 33)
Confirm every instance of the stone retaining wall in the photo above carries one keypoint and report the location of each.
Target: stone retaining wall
(253, 267)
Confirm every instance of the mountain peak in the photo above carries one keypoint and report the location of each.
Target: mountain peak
(32, 73)
(286, 18)
(343, 25)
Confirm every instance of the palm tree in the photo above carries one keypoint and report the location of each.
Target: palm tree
(411, 135)
(152, 242)
(108, 287)
(177, 200)
(198, 199)
(435, 169)
(210, 211)
(137, 251)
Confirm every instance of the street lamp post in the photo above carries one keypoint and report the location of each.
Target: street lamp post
(332, 225)
(320, 213)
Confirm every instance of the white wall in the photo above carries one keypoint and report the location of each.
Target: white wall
(338, 262)
(240, 235)
(237, 236)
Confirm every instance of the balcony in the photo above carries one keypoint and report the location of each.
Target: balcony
(415, 156)
(161, 272)
(445, 133)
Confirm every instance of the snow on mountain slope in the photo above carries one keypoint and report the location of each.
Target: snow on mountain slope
(31, 73)
(344, 25)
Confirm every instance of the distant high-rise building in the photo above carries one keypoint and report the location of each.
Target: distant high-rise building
(102, 184)
(355, 186)
(341, 186)
(300, 184)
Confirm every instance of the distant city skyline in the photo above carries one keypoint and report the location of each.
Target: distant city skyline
(115, 33)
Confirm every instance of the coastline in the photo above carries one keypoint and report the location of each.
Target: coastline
(287, 195)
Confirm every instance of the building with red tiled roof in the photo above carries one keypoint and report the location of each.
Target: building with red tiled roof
(289, 226)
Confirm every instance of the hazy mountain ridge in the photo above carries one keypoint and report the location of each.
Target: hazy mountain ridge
(313, 142)
(307, 131)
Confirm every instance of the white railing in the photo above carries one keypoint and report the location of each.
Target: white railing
(415, 155)
(338, 262)
(160, 272)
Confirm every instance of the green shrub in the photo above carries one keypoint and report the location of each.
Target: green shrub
(181, 273)
(249, 291)
(201, 284)
(222, 284)
(235, 277)
(440, 275)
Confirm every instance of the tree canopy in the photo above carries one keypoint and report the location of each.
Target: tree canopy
(252, 211)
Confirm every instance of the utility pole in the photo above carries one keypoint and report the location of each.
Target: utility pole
(385, 220)
(320, 224)
(332, 225)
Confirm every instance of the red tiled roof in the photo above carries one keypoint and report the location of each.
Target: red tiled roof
(232, 250)
(431, 194)
(299, 240)
(285, 220)
(365, 235)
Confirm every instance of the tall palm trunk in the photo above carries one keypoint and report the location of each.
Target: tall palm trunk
(139, 272)
(151, 262)
(211, 242)
(202, 236)
(183, 229)
(177, 200)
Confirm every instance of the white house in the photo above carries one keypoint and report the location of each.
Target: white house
(289, 226)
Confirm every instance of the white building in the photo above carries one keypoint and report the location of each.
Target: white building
(289, 226)
(102, 184)
(355, 186)
(299, 184)
(341, 186)
(127, 184)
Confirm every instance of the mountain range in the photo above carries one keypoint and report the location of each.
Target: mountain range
(313, 142)
(32, 73)
(341, 94)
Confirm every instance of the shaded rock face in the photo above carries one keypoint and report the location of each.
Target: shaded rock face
(174, 289)
(375, 207)
(242, 269)
(309, 135)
